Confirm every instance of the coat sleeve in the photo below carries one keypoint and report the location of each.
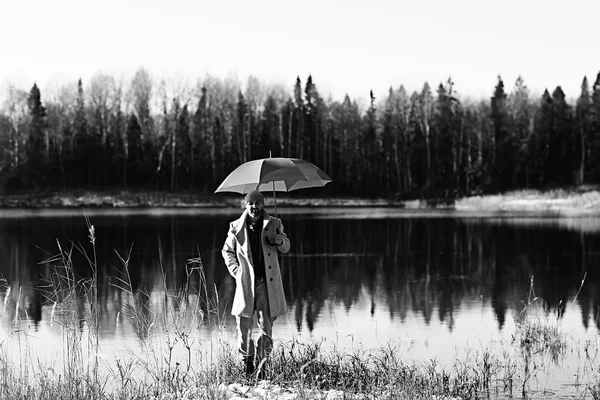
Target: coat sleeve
(285, 246)
(229, 252)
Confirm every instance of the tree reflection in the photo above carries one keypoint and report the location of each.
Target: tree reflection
(427, 267)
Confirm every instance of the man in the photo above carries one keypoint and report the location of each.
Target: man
(250, 253)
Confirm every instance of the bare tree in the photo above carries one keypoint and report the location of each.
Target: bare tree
(16, 110)
(140, 93)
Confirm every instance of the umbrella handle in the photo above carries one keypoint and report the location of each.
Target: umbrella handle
(274, 199)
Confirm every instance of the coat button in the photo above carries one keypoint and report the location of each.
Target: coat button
(271, 279)
(269, 255)
(269, 267)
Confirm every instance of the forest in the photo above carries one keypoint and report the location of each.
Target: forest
(141, 134)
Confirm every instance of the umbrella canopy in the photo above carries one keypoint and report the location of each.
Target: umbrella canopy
(278, 174)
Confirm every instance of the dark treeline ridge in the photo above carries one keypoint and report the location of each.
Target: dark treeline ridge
(405, 145)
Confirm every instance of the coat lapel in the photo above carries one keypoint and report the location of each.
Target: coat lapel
(241, 235)
(266, 220)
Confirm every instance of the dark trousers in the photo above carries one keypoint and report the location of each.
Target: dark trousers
(264, 343)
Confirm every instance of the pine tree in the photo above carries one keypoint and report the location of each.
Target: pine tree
(504, 147)
(594, 149)
(370, 179)
(520, 122)
(390, 138)
(538, 145)
(347, 132)
(37, 147)
(84, 151)
(269, 135)
(561, 151)
(583, 124)
(310, 122)
(446, 138)
(297, 136)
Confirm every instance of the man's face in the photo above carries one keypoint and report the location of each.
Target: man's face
(254, 209)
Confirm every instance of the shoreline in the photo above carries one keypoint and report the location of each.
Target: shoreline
(578, 201)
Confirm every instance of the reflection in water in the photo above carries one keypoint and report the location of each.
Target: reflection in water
(437, 269)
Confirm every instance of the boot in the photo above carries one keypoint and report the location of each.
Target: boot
(264, 349)
(248, 365)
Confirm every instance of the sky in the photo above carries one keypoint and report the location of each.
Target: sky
(349, 47)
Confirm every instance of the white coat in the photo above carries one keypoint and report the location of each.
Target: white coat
(237, 254)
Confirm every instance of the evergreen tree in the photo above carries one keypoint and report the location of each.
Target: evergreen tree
(519, 110)
(471, 173)
(594, 148)
(538, 145)
(37, 146)
(504, 145)
(561, 151)
(481, 147)
(297, 137)
(118, 129)
(310, 122)
(584, 127)
(390, 136)
(403, 141)
(370, 179)
(347, 132)
(269, 135)
(134, 152)
(81, 139)
(446, 138)
(456, 138)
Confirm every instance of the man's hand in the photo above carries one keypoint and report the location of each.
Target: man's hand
(278, 239)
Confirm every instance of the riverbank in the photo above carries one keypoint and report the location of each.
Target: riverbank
(569, 201)
(153, 199)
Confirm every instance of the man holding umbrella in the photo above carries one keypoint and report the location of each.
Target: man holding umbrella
(250, 253)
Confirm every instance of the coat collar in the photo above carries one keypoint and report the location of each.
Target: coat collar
(241, 221)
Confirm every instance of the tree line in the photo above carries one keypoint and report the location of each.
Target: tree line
(428, 143)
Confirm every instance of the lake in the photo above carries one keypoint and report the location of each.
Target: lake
(438, 284)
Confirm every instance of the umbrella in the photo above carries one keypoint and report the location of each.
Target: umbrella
(278, 174)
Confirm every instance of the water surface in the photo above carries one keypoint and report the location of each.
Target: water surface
(437, 284)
